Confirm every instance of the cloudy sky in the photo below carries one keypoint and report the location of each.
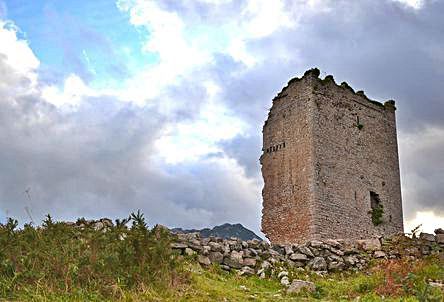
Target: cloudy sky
(111, 106)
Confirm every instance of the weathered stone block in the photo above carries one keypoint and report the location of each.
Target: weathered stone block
(216, 247)
(250, 262)
(318, 264)
(216, 257)
(305, 250)
(440, 238)
(235, 260)
(246, 271)
(369, 244)
(298, 257)
(298, 285)
(427, 237)
(203, 260)
(380, 254)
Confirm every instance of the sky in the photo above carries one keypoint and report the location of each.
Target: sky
(107, 106)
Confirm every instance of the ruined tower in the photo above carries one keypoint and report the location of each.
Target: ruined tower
(329, 163)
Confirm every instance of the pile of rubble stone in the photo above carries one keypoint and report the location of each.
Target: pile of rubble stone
(256, 257)
(101, 224)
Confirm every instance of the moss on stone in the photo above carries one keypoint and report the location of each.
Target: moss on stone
(390, 104)
(314, 71)
(346, 86)
(329, 78)
(375, 103)
(293, 80)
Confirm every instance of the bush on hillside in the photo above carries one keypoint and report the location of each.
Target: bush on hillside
(58, 257)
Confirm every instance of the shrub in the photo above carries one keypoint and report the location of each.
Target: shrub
(377, 213)
(62, 258)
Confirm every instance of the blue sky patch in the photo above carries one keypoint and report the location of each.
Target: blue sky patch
(92, 39)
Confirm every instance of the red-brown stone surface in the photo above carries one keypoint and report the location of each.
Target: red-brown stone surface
(319, 165)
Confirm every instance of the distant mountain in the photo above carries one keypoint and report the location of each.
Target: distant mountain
(226, 230)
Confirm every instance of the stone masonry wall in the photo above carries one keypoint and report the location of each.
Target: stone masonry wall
(287, 169)
(325, 149)
(355, 154)
(254, 257)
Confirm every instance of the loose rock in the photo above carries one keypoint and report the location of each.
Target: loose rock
(250, 262)
(369, 244)
(216, 257)
(203, 260)
(427, 237)
(246, 271)
(298, 285)
(298, 257)
(380, 254)
(189, 252)
(285, 281)
(439, 238)
(318, 264)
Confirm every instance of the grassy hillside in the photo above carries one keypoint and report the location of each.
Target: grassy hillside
(61, 262)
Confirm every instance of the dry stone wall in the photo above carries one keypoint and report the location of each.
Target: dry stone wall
(259, 258)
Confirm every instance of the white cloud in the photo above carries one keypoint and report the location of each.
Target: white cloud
(166, 36)
(216, 2)
(192, 140)
(428, 221)
(17, 54)
(185, 44)
(70, 95)
(416, 4)
(260, 18)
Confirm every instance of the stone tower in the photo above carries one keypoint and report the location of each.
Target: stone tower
(329, 163)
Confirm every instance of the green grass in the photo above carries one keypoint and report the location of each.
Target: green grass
(59, 262)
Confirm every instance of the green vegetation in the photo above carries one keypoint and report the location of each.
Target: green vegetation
(327, 79)
(346, 86)
(390, 104)
(57, 260)
(377, 213)
(62, 262)
(315, 71)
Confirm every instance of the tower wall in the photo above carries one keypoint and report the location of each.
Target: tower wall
(327, 153)
(355, 154)
(287, 167)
